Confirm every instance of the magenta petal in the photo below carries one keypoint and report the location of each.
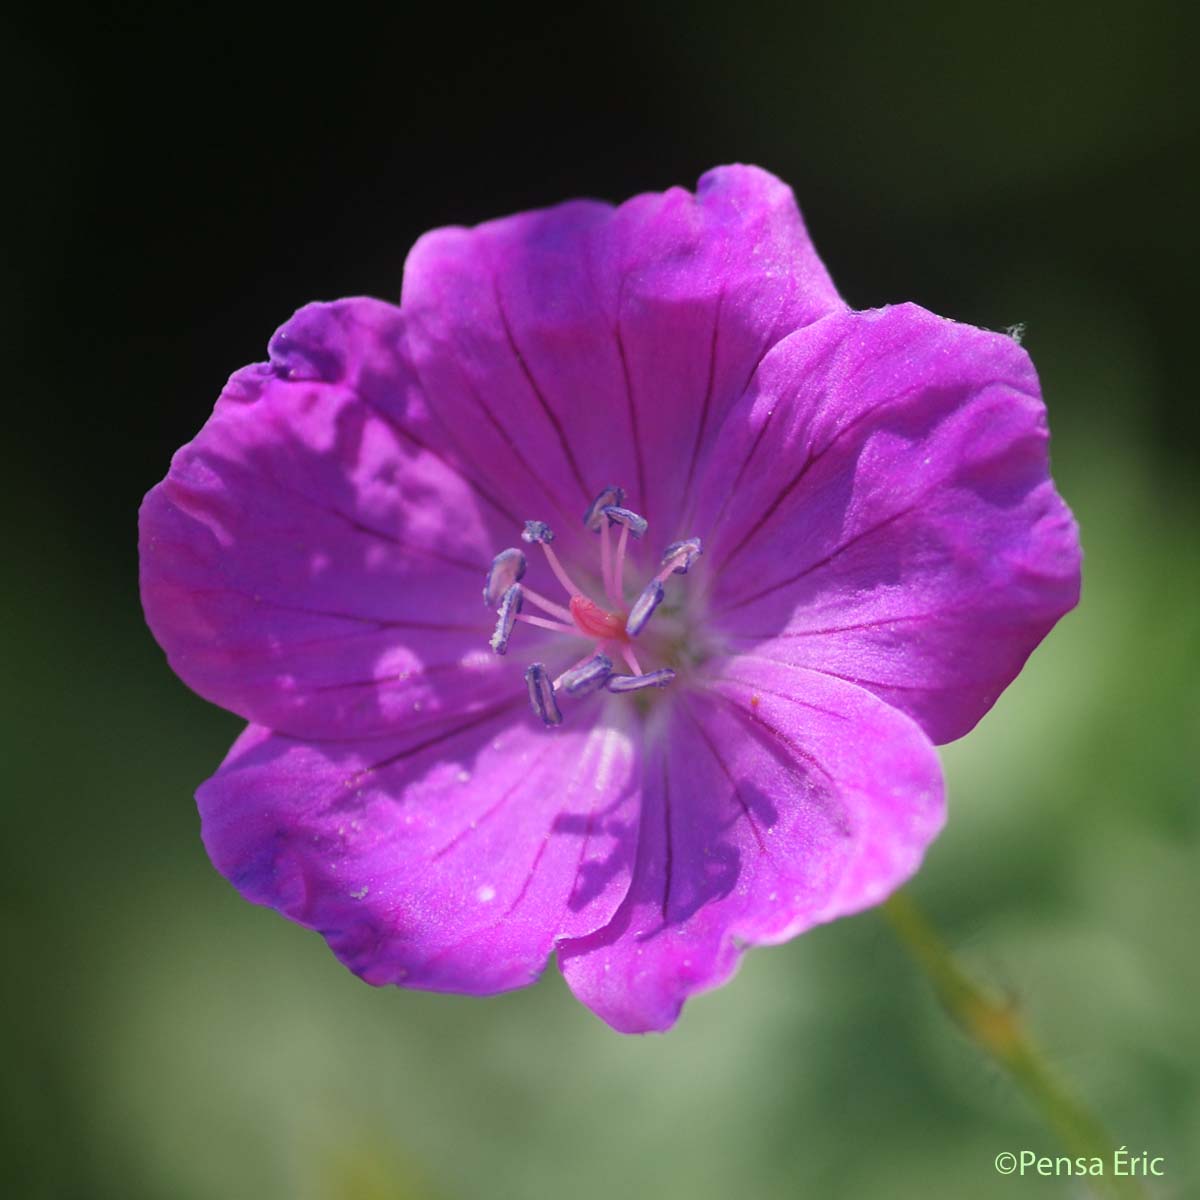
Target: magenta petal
(452, 858)
(779, 799)
(600, 345)
(880, 508)
(310, 562)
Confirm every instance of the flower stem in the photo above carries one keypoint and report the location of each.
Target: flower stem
(994, 1026)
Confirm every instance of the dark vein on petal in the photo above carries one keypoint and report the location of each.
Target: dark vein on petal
(379, 623)
(670, 849)
(754, 687)
(369, 530)
(767, 347)
(403, 352)
(344, 635)
(533, 866)
(446, 951)
(804, 633)
(424, 446)
(506, 437)
(766, 514)
(708, 391)
(939, 484)
(811, 460)
(840, 549)
(523, 778)
(867, 683)
(757, 726)
(417, 673)
(583, 849)
(732, 491)
(975, 393)
(633, 423)
(737, 791)
(432, 626)
(474, 722)
(586, 842)
(551, 415)
(433, 717)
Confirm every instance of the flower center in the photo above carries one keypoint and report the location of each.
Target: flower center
(611, 629)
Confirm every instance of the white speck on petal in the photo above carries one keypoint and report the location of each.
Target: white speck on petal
(361, 893)
(485, 893)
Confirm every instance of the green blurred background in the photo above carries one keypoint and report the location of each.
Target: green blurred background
(184, 178)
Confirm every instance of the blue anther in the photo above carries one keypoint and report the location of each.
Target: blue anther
(582, 680)
(507, 567)
(541, 695)
(537, 531)
(594, 517)
(635, 683)
(637, 525)
(643, 607)
(510, 605)
(680, 556)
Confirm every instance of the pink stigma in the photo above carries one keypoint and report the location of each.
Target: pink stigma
(597, 622)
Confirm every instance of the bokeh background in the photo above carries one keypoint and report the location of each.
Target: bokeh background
(183, 178)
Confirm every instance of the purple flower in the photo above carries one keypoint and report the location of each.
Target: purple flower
(745, 554)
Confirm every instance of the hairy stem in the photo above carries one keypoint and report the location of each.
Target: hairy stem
(993, 1025)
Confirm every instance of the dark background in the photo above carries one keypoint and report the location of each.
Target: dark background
(181, 180)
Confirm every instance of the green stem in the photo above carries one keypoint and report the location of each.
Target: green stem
(994, 1026)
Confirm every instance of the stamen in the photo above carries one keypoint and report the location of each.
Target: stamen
(679, 557)
(618, 575)
(541, 695)
(560, 572)
(537, 533)
(609, 627)
(610, 589)
(543, 623)
(643, 607)
(507, 568)
(582, 680)
(594, 517)
(637, 525)
(540, 534)
(510, 606)
(555, 610)
(635, 683)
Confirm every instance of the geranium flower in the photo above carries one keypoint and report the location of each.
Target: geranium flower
(745, 554)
